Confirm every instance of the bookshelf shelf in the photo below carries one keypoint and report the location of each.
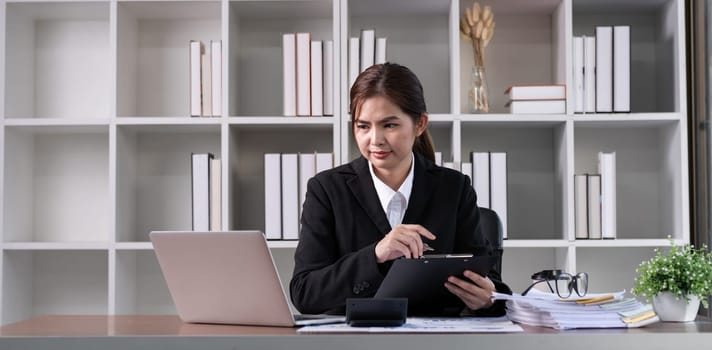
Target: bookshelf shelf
(96, 135)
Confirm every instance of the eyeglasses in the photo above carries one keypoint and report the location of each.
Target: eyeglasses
(564, 283)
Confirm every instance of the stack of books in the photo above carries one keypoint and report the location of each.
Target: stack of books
(488, 171)
(607, 310)
(308, 75)
(536, 99)
(286, 177)
(206, 195)
(595, 200)
(205, 79)
(602, 71)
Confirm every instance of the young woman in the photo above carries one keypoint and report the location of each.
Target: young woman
(391, 202)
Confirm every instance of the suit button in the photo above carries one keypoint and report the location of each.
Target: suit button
(366, 285)
(356, 290)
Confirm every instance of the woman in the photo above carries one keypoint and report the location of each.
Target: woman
(391, 202)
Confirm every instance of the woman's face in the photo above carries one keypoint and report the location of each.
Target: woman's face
(385, 134)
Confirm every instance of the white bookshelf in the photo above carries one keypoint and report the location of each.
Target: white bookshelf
(96, 137)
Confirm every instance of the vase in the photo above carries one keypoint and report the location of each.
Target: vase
(671, 309)
(478, 95)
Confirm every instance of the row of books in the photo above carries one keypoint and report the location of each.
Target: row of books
(488, 171)
(365, 52)
(308, 75)
(205, 79)
(206, 194)
(286, 177)
(536, 99)
(602, 71)
(595, 200)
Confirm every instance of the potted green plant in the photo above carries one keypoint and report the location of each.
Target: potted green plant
(676, 281)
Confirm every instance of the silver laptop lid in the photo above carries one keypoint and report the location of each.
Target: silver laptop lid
(222, 277)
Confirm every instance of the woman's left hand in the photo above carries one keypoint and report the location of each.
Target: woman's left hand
(475, 291)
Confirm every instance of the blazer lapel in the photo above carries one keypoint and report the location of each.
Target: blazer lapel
(423, 184)
(363, 189)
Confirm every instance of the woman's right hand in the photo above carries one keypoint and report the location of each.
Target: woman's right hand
(403, 240)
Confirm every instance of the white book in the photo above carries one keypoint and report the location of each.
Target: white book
(439, 158)
(324, 161)
(621, 69)
(195, 93)
(607, 169)
(317, 79)
(380, 51)
(578, 58)
(215, 195)
(216, 76)
(273, 196)
(289, 74)
(594, 206)
(536, 92)
(307, 170)
(481, 177)
(498, 187)
(354, 65)
(449, 165)
(328, 61)
(206, 100)
(368, 48)
(303, 74)
(581, 206)
(466, 169)
(604, 69)
(537, 107)
(200, 190)
(589, 78)
(290, 196)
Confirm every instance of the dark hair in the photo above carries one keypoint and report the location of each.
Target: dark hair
(399, 85)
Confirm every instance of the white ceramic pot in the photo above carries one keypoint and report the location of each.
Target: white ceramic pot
(675, 310)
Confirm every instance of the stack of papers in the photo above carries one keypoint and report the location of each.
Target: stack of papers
(609, 310)
(427, 325)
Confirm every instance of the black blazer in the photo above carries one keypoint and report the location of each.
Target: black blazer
(342, 220)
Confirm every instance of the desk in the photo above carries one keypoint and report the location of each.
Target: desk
(168, 332)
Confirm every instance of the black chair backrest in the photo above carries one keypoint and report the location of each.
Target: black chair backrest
(491, 227)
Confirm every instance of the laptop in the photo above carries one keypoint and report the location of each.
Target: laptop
(226, 278)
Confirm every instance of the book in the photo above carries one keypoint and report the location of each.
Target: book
(328, 61)
(324, 161)
(536, 92)
(466, 169)
(581, 206)
(354, 62)
(498, 187)
(289, 71)
(303, 74)
(380, 51)
(216, 76)
(578, 75)
(206, 100)
(604, 69)
(307, 170)
(537, 107)
(589, 77)
(273, 195)
(594, 206)
(200, 190)
(317, 79)
(290, 196)
(368, 48)
(621, 69)
(215, 195)
(196, 48)
(439, 158)
(607, 169)
(481, 177)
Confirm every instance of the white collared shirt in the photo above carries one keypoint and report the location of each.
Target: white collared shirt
(394, 203)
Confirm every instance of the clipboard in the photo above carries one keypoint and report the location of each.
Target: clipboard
(422, 280)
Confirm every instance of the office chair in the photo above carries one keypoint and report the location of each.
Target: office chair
(491, 227)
